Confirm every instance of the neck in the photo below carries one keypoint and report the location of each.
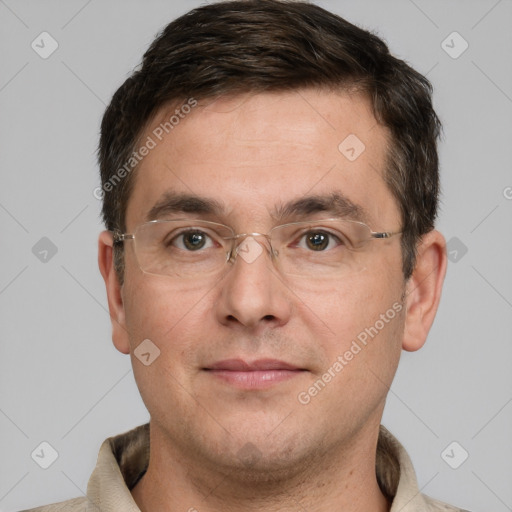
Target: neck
(342, 479)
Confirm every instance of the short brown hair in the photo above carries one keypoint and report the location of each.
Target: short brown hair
(240, 46)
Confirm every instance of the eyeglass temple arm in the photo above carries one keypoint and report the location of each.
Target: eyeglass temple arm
(121, 237)
(384, 234)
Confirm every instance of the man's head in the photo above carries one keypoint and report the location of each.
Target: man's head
(235, 47)
(283, 113)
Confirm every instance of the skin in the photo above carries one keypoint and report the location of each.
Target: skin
(254, 152)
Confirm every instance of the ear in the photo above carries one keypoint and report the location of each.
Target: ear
(114, 292)
(423, 290)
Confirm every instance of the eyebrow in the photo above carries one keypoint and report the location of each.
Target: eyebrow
(172, 202)
(334, 204)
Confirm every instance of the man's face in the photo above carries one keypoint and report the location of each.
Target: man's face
(253, 154)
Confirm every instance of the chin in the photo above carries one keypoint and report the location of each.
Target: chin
(264, 459)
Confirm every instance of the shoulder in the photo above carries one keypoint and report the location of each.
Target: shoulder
(438, 506)
(74, 505)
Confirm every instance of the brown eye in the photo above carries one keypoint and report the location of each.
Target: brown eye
(192, 240)
(317, 241)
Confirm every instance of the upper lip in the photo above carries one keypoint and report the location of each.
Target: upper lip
(239, 365)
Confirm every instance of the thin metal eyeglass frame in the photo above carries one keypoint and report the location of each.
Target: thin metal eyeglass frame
(233, 251)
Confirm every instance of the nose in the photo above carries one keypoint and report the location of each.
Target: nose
(253, 294)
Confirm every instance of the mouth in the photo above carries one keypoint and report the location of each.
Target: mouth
(260, 374)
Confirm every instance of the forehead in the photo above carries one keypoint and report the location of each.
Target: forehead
(253, 154)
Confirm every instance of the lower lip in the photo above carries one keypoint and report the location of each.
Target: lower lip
(256, 379)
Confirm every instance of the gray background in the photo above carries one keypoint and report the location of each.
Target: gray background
(61, 379)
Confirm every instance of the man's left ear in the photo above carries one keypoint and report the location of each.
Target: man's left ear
(423, 290)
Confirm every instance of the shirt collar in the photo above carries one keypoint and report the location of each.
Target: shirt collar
(123, 460)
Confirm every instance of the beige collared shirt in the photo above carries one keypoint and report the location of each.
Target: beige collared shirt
(123, 460)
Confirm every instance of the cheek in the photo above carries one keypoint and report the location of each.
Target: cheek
(150, 315)
(363, 346)
(154, 307)
(365, 317)
(171, 320)
(177, 319)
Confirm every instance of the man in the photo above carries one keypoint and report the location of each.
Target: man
(270, 183)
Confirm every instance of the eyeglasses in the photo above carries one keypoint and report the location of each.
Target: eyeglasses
(188, 248)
